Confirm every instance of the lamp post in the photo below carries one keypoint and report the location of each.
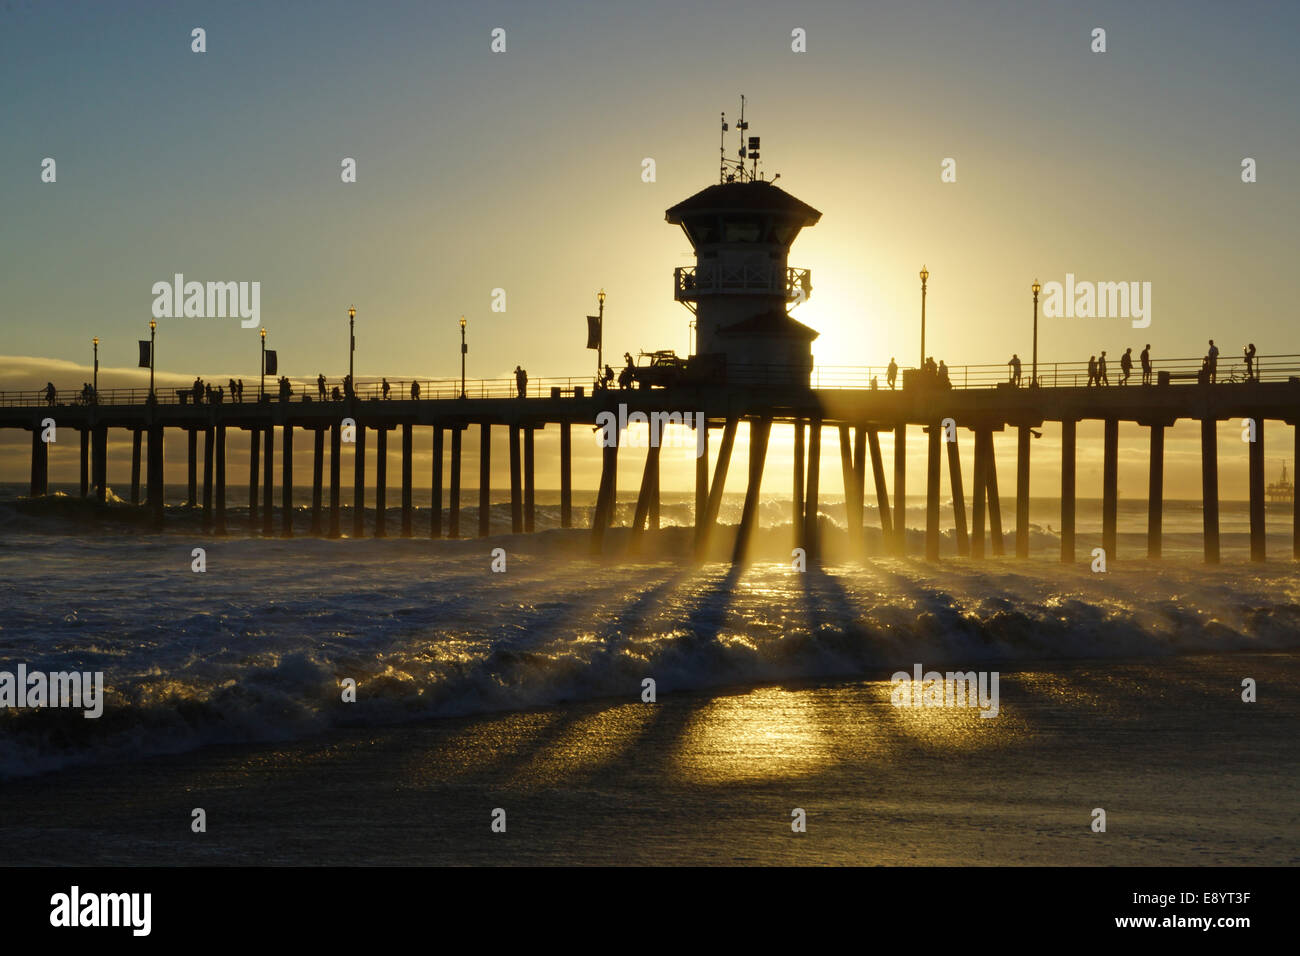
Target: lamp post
(261, 387)
(153, 331)
(463, 349)
(352, 345)
(94, 387)
(925, 275)
(600, 343)
(1033, 378)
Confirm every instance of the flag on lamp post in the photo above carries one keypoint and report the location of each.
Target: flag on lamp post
(144, 353)
(593, 332)
(272, 367)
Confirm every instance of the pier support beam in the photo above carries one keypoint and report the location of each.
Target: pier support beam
(995, 499)
(1069, 434)
(704, 528)
(1258, 548)
(435, 516)
(516, 491)
(219, 517)
(1110, 489)
(408, 448)
(811, 500)
(566, 475)
(649, 481)
(1210, 488)
(1295, 504)
(453, 499)
(155, 473)
(317, 478)
(359, 483)
(758, 435)
(900, 489)
(701, 485)
(605, 497)
(254, 469)
(207, 478)
(335, 469)
(958, 497)
(979, 502)
(530, 487)
(1156, 492)
(485, 480)
(796, 519)
(882, 490)
(41, 464)
(268, 481)
(135, 465)
(286, 482)
(1022, 491)
(852, 504)
(934, 434)
(860, 484)
(99, 462)
(192, 468)
(85, 462)
(381, 481)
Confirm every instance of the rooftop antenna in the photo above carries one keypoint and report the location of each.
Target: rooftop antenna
(732, 170)
(722, 151)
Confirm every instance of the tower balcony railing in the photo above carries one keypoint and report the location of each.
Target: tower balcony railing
(692, 282)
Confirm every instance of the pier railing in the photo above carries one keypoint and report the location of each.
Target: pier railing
(1050, 375)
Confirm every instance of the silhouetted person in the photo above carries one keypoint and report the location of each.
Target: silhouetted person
(219, 396)
(609, 376)
(347, 386)
(240, 396)
(1126, 365)
(1092, 370)
(628, 372)
(1252, 371)
(874, 383)
(335, 395)
(386, 389)
(1102, 377)
(49, 393)
(891, 373)
(198, 390)
(1212, 362)
(931, 369)
(1146, 364)
(320, 386)
(1015, 369)
(943, 375)
(286, 390)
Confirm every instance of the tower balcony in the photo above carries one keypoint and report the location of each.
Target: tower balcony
(691, 283)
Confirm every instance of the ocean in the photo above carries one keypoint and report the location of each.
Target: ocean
(522, 688)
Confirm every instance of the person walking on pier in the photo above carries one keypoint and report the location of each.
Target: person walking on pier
(1015, 369)
(1092, 370)
(347, 387)
(387, 388)
(1102, 377)
(238, 395)
(415, 390)
(320, 386)
(1126, 365)
(943, 375)
(49, 394)
(198, 390)
(1146, 364)
(1252, 371)
(609, 376)
(1212, 362)
(521, 381)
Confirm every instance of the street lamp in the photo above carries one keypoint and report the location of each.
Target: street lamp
(600, 343)
(153, 329)
(261, 387)
(1033, 378)
(463, 349)
(94, 388)
(352, 345)
(925, 275)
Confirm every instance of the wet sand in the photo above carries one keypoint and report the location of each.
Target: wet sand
(1187, 773)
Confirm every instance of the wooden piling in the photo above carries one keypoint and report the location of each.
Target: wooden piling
(758, 435)
(882, 490)
(979, 502)
(155, 475)
(645, 494)
(797, 519)
(408, 440)
(254, 471)
(359, 482)
(1022, 491)
(1110, 489)
(453, 498)
(934, 434)
(1069, 435)
(99, 462)
(958, 496)
(530, 482)
(1210, 488)
(207, 478)
(435, 493)
(995, 500)
(811, 499)
(219, 515)
(516, 481)
(704, 530)
(381, 481)
(860, 483)
(136, 435)
(900, 489)
(1258, 547)
(603, 512)
(484, 480)
(268, 480)
(1156, 492)
(566, 475)
(317, 478)
(85, 462)
(852, 507)
(192, 468)
(41, 464)
(1295, 500)
(336, 445)
(286, 482)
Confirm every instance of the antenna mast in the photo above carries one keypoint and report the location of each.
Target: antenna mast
(733, 170)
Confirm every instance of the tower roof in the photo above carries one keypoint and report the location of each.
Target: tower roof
(773, 323)
(747, 196)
